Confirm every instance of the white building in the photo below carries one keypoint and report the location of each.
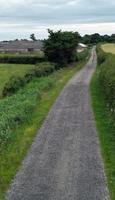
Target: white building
(81, 47)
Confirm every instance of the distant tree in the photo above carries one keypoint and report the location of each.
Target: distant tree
(105, 38)
(95, 38)
(86, 39)
(113, 38)
(60, 47)
(32, 37)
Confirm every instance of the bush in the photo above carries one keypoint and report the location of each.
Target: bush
(13, 85)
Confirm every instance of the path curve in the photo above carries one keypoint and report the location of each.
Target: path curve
(64, 162)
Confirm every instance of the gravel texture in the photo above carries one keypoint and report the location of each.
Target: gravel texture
(64, 162)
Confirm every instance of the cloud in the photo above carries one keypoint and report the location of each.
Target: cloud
(24, 16)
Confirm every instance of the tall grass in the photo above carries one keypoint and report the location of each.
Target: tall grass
(15, 110)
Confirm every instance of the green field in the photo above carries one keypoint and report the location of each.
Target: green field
(108, 48)
(8, 70)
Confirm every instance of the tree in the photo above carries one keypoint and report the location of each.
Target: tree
(32, 37)
(60, 47)
(86, 39)
(113, 38)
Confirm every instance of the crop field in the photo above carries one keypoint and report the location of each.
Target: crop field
(8, 70)
(108, 48)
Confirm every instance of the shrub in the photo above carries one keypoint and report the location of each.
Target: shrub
(44, 69)
(13, 85)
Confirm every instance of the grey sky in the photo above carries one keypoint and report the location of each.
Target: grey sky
(19, 18)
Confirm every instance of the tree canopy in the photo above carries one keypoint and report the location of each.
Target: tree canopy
(60, 47)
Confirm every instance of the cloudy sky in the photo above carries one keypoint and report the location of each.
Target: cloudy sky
(20, 18)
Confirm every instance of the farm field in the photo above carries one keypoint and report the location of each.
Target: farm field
(108, 48)
(8, 70)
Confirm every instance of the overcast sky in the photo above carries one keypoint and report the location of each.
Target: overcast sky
(20, 18)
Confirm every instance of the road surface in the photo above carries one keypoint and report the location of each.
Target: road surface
(64, 162)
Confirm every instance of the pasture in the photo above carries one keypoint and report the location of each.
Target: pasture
(108, 48)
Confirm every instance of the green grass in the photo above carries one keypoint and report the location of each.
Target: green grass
(13, 153)
(106, 130)
(108, 48)
(8, 70)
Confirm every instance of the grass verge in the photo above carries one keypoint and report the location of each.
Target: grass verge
(12, 156)
(106, 130)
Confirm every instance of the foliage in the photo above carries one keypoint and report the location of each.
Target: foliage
(83, 55)
(16, 82)
(101, 56)
(97, 38)
(60, 47)
(9, 70)
(105, 123)
(107, 79)
(16, 109)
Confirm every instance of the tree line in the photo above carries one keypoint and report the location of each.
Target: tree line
(96, 38)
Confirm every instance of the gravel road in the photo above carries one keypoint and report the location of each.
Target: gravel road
(64, 162)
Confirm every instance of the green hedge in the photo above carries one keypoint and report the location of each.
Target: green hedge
(15, 82)
(21, 58)
(107, 78)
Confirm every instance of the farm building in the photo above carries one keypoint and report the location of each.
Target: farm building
(81, 47)
(21, 46)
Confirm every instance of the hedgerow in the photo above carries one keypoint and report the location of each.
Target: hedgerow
(107, 78)
(21, 58)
